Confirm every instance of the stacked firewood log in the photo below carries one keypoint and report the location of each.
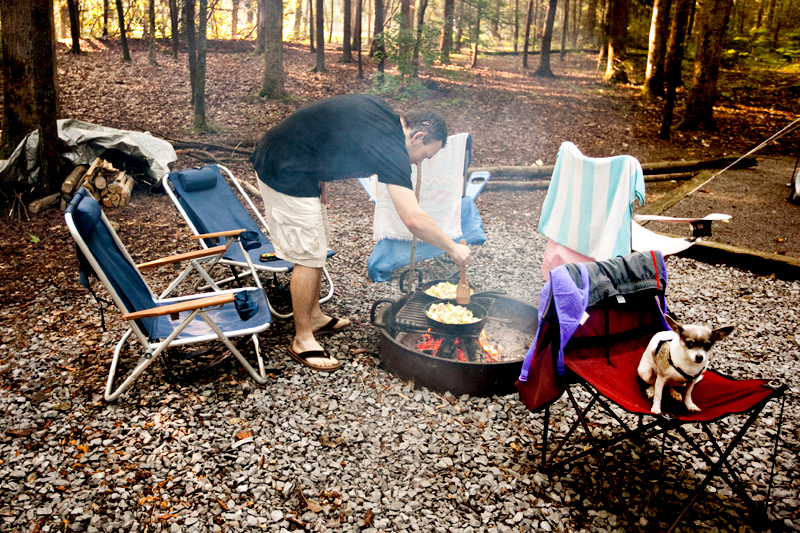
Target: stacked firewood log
(108, 185)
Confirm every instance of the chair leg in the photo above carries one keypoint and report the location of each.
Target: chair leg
(259, 377)
(599, 455)
(145, 361)
(716, 469)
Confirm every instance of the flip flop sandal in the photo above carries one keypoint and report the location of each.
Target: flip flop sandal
(303, 357)
(330, 327)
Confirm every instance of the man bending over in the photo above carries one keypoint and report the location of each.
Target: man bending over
(348, 136)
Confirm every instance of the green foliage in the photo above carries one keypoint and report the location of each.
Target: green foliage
(34, 239)
(399, 43)
(400, 87)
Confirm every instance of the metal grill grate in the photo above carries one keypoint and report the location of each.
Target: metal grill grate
(412, 318)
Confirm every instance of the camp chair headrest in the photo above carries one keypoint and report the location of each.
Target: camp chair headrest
(201, 179)
(87, 215)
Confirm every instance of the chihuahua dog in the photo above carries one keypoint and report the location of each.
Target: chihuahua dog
(678, 358)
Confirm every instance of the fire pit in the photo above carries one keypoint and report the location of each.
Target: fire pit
(483, 364)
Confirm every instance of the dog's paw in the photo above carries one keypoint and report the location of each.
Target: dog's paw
(692, 407)
(656, 410)
(651, 391)
(677, 396)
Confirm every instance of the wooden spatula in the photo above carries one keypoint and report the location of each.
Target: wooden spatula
(462, 290)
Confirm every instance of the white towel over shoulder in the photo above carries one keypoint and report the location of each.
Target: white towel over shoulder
(440, 195)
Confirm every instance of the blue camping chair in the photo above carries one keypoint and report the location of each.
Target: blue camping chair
(390, 254)
(159, 323)
(209, 205)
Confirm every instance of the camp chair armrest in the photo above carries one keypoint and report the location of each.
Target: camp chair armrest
(229, 233)
(191, 305)
(188, 256)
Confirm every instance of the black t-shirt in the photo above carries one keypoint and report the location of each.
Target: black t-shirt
(348, 136)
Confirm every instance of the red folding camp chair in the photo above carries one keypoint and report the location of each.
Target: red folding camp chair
(603, 315)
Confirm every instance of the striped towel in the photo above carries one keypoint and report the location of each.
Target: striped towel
(440, 197)
(589, 204)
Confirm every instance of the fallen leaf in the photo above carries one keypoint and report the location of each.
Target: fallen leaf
(20, 432)
(244, 434)
(313, 506)
(368, 517)
(325, 440)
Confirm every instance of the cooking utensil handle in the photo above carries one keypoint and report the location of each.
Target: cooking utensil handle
(462, 291)
(372, 314)
(408, 273)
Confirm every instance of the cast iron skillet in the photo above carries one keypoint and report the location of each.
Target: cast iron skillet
(478, 311)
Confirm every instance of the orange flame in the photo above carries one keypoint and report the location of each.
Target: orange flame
(429, 343)
(492, 353)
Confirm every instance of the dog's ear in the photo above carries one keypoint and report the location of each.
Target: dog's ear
(674, 326)
(720, 333)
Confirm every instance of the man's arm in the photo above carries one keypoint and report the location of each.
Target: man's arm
(422, 226)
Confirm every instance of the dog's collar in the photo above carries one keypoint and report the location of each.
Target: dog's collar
(688, 377)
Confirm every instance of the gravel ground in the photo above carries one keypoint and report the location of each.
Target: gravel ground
(358, 450)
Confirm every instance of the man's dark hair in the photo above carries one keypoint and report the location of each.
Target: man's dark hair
(429, 122)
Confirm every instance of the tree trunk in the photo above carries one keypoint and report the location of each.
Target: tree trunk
(742, 16)
(564, 30)
(591, 22)
(105, 19)
(312, 21)
(602, 39)
(320, 65)
(459, 24)
(672, 65)
(330, 31)
(760, 15)
(617, 41)
(446, 44)
(151, 56)
(516, 25)
(191, 45)
(474, 63)
(200, 79)
(378, 43)
(495, 26)
(776, 28)
(710, 40)
(576, 24)
(773, 8)
(126, 55)
(347, 55)
(273, 85)
(298, 19)
(527, 34)
(234, 18)
(260, 28)
(74, 26)
(173, 17)
(423, 5)
(547, 38)
(30, 87)
(357, 36)
(657, 49)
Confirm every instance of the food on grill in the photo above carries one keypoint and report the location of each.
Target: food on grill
(447, 313)
(444, 290)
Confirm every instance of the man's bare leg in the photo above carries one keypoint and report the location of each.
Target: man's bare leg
(305, 286)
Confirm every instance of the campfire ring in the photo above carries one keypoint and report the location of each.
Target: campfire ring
(474, 378)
